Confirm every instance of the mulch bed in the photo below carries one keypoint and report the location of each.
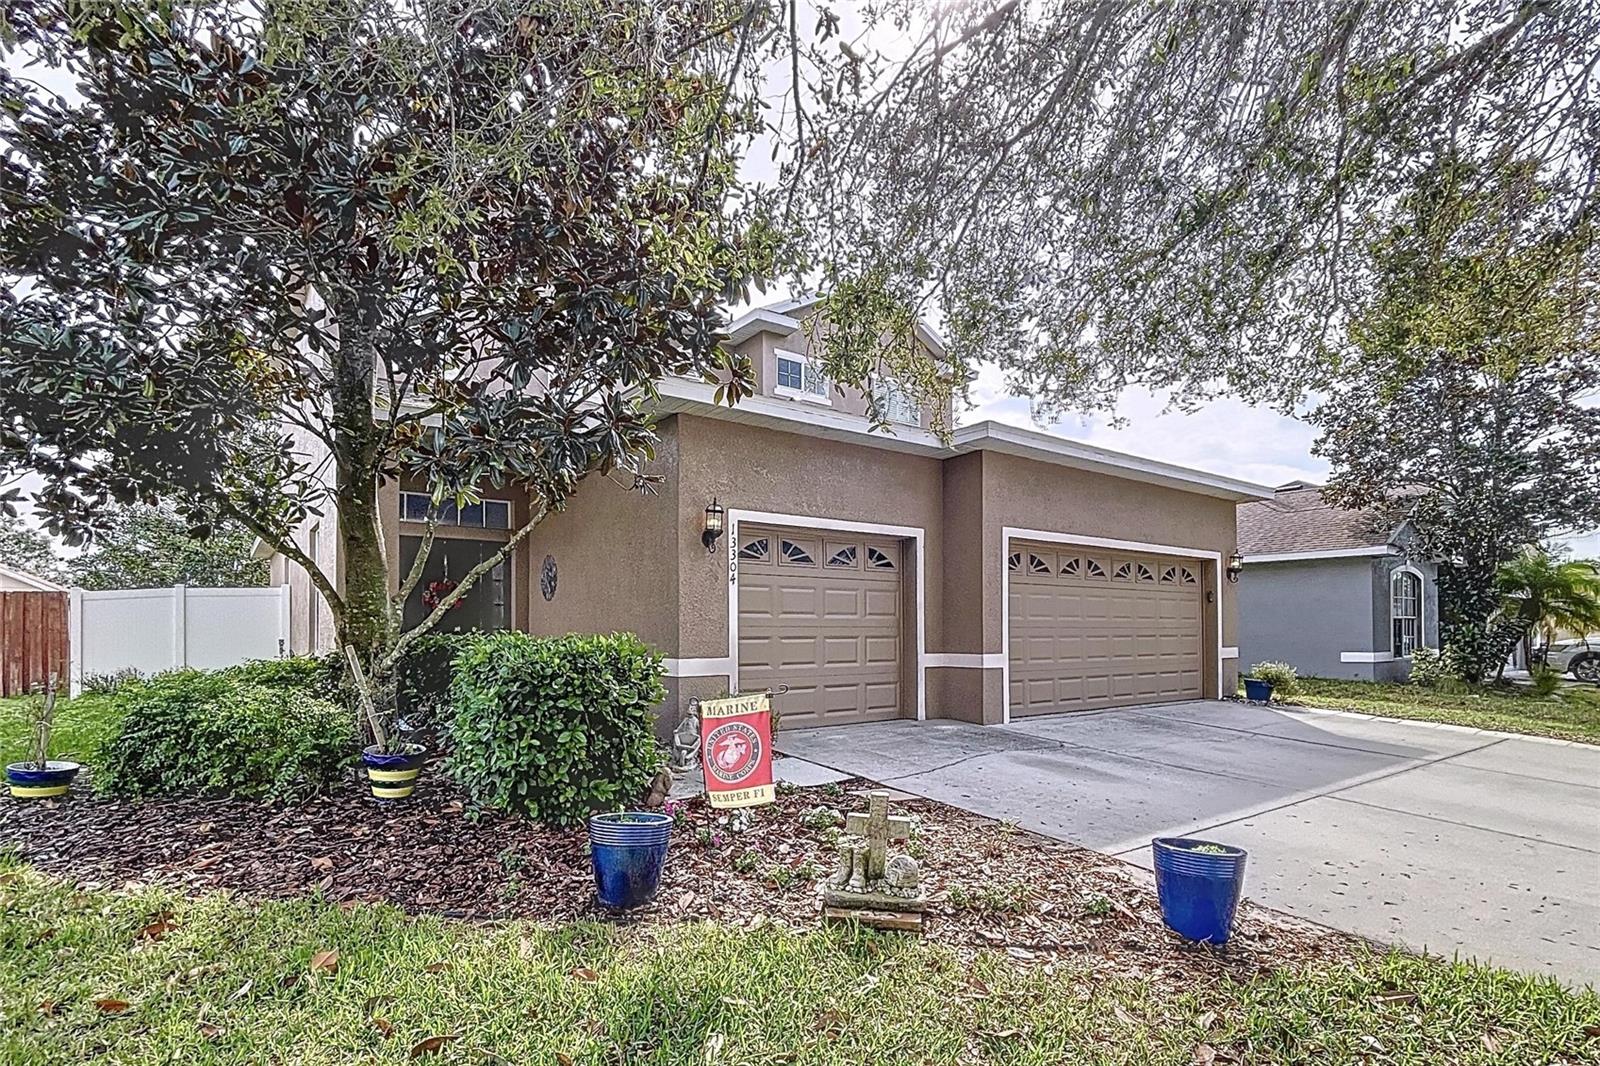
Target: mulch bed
(992, 886)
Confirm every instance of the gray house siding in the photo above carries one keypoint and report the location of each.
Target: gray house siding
(1311, 612)
(1305, 613)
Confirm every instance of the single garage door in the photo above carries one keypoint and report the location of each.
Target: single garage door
(1096, 629)
(820, 612)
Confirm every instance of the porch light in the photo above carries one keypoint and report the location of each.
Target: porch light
(1235, 566)
(713, 530)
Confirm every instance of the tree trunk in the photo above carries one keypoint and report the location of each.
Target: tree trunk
(367, 625)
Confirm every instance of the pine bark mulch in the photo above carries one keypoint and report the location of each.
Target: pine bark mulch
(992, 887)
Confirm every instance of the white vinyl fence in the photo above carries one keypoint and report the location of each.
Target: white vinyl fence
(150, 630)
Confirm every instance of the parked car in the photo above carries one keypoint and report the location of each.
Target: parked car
(1579, 657)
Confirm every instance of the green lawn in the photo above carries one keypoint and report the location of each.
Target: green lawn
(1573, 713)
(229, 982)
(80, 725)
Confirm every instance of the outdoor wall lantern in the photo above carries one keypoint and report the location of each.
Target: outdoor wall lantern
(1235, 566)
(713, 530)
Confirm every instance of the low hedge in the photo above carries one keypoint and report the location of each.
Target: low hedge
(555, 727)
(322, 676)
(224, 734)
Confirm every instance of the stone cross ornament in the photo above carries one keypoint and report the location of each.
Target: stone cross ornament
(868, 884)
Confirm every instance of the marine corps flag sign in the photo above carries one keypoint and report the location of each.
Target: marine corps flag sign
(736, 750)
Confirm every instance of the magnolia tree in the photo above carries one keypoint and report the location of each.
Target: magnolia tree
(265, 259)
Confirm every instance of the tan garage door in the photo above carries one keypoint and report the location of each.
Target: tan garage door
(1102, 629)
(820, 612)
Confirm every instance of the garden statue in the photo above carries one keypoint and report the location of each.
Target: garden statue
(686, 740)
(660, 789)
(867, 884)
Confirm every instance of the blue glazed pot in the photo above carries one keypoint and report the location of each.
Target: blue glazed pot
(1257, 691)
(1199, 891)
(629, 850)
(393, 775)
(27, 781)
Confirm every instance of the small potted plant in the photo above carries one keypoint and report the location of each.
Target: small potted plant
(1268, 678)
(393, 764)
(42, 777)
(1198, 883)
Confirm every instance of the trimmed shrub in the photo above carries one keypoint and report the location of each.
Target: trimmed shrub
(1284, 679)
(1427, 667)
(211, 734)
(319, 676)
(423, 680)
(555, 728)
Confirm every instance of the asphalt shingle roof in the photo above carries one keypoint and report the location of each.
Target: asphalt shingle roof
(1298, 519)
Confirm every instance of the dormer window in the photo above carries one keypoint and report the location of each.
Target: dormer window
(896, 404)
(801, 379)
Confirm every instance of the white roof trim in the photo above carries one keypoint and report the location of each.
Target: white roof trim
(1033, 444)
(1325, 553)
(780, 318)
(792, 416)
(760, 320)
(33, 581)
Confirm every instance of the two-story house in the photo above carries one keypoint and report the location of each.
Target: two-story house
(1002, 572)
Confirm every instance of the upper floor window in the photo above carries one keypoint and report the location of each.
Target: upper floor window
(801, 378)
(896, 403)
(1405, 612)
(485, 514)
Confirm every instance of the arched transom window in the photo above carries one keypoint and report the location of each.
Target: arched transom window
(1405, 611)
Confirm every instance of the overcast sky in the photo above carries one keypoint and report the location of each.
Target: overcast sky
(1226, 437)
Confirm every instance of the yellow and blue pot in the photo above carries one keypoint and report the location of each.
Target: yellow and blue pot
(394, 774)
(27, 781)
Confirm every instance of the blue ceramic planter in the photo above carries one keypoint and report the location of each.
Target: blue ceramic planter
(27, 781)
(629, 850)
(1199, 891)
(394, 775)
(1257, 691)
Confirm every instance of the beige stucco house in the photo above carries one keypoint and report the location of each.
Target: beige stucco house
(1004, 572)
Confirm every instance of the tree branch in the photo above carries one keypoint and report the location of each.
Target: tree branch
(467, 582)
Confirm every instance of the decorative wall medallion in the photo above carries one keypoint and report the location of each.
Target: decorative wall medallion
(547, 577)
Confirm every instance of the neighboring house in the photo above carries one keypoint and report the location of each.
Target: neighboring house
(22, 581)
(1329, 591)
(878, 575)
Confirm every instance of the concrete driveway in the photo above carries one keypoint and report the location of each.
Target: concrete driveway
(1441, 838)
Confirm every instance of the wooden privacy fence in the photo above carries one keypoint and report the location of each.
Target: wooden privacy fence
(33, 640)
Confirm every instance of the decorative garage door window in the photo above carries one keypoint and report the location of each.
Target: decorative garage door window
(879, 558)
(755, 549)
(1040, 564)
(796, 553)
(842, 557)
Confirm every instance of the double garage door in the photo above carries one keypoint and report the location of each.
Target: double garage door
(1093, 629)
(821, 612)
(824, 613)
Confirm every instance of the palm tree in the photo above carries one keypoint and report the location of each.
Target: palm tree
(1541, 592)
